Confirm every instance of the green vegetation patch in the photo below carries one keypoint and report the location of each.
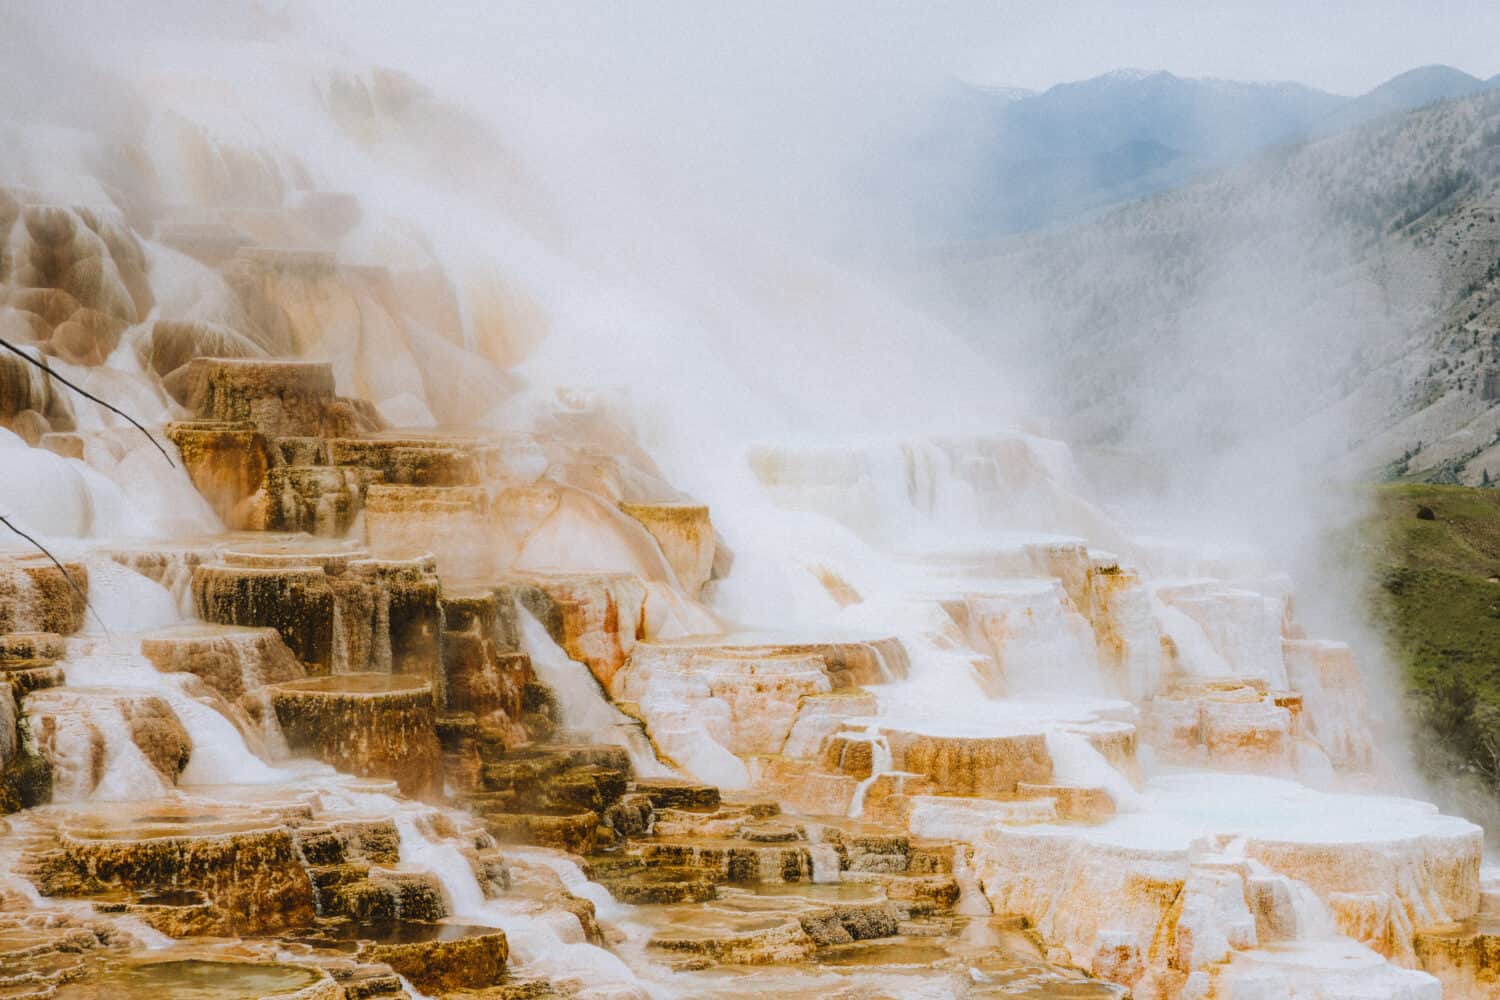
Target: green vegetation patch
(1435, 594)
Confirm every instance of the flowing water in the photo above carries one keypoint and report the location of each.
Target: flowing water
(627, 547)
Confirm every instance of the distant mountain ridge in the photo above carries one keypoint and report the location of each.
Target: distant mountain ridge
(1344, 290)
(998, 160)
(1413, 89)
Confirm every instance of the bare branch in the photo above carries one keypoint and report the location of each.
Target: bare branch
(63, 569)
(87, 395)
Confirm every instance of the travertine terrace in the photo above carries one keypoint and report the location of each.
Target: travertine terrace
(415, 673)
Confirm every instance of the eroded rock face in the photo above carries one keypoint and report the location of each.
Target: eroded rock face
(847, 661)
(1030, 629)
(805, 786)
(1333, 693)
(245, 865)
(711, 700)
(26, 665)
(553, 794)
(763, 695)
(32, 646)
(405, 622)
(338, 611)
(107, 743)
(962, 765)
(410, 461)
(372, 725)
(1465, 957)
(483, 671)
(1243, 626)
(757, 696)
(686, 536)
(454, 958)
(36, 596)
(296, 601)
(597, 619)
(1235, 725)
(227, 463)
(279, 398)
(450, 522)
(319, 500)
(820, 716)
(1125, 631)
(229, 659)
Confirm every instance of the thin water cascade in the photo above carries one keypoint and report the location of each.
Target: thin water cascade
(881, 762)
(825, 863)
(541, 598)
(1077, 762)
(219, 752)
(584, 705)
(971, 901)
(91, 749)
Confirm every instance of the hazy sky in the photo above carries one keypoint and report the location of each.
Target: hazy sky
(1346, 46)
(793, 94)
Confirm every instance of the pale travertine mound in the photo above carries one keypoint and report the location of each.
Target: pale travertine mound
(1086, 888)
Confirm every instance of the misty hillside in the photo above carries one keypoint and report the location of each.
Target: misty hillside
(1413, 89)
(1027, 160)
(1343, 291)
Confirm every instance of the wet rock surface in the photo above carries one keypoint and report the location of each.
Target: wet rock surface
(36, 595)
(237, 874)
(460, 706)
(373, 725)
(232, 660)
(337, 609)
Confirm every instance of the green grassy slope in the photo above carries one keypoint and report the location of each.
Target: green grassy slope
(1435, 595)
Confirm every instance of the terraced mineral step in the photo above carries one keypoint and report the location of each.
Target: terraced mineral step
(279, 398)
(37, 596)
(28, 661)
(208, 979)
(338, 610)
(370, 724)
(241, 860)
(848, 659)
(686, 536)
(442, 956)
(317, 499)
(412, 461)
(230, 659)
(677, 793)
(452, 523)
